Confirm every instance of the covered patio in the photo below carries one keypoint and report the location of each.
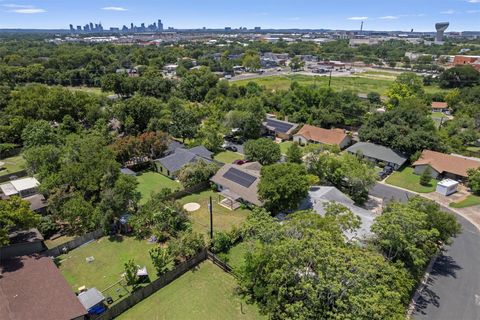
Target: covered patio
(230, 199)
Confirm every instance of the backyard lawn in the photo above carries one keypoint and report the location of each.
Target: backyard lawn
(150, 181)
(236, 255)
(223, 218)
(109, 255)
(470, 201)
(206, 292)
(228, 156)
(12, 165)
(411, 181)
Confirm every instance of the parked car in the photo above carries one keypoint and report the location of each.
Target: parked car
(231, 148)
(239, 162)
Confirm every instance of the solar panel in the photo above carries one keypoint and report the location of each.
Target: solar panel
(239, 177)
(279, 126)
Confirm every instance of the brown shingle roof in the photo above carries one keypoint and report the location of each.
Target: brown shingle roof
(442, 162)
(325, 136)
(31, 287)
(439, 105)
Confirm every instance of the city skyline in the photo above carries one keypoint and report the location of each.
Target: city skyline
(404, 15)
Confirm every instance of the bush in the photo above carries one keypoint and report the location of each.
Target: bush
(221, 242)
(162, 260)
(48, 227)
(426, 177)
(186, 246)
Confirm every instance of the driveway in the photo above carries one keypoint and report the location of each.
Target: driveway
(452, 291)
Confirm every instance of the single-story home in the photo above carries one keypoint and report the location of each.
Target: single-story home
(238, 183)
(170, 164)
(312, 134)
(377, 153)
(279, 128)
(439, 106)
(26, 188)
(319, 196)
(22, 242)
(32, 287)
(442, 165)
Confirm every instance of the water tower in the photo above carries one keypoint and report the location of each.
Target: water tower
(441, 27)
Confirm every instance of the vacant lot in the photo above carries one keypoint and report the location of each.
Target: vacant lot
(411, 181)
(228, 156)
(206, 292)
(223, 218)
(110, 255)
(152, 182)
(12, 165)
(362, 84)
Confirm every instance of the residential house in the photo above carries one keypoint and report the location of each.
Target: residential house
(443, 165)
(319, 196)
(439, 107)
(279, 128)
(312, 134)
(171, 164)
(32, 287)
(378, 154)
(474, 61)
(238, 184)
(26, 188)
(22, 242)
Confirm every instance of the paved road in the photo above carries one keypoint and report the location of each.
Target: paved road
(453, 288)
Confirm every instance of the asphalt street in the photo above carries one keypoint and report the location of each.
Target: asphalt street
(453, 287)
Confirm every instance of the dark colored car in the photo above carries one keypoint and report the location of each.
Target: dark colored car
(231, 148)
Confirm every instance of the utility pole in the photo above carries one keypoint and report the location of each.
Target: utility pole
(210, 207)
(330, 78)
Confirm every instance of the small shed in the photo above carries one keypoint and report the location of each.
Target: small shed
(447, 187)
(92, 300)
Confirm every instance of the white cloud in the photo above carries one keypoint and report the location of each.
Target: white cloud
(114, 9)
(472, 11)
(357, 18)
(451, 11)
(389, 18)
(474, 1)
(23, 9)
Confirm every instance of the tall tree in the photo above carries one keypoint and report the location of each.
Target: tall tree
(15, 213)
(262, 150)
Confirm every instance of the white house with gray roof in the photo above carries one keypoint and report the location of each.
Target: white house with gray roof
(171, 164)
(377, 153)
(319, 196)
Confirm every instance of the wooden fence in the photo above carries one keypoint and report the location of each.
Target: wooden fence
(217, 261)
(142, 293)
(75, 243)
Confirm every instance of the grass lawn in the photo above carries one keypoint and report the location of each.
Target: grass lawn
(470, 201)
(206, 292)
(61, 240)
(411, 181)
(150, 182)
(223, 218)
(236, 255)
(284, 146)
(228, 156)
(93, 90)
(108, 266)
(12, 165)
(362, 83)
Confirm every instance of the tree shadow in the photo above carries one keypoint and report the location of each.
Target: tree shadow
(444, 266)
(115, 238)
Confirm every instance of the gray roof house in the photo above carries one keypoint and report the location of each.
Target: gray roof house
(378, 153)
(170, 164)
(281, 129)
(319, 196)
(238, 183)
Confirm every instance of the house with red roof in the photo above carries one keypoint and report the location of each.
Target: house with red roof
(312, 134)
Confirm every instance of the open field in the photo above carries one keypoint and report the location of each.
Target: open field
(110, 254)
(94, 90)
(206, 292)
(361, 84)
(411, 181)
(470, 201)
(228, 156)
(223, 218)
(150, 182)
(12, 165)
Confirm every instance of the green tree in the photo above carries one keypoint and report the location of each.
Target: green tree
(38, 133)
(251, 60)
(186, 245)
(131, 276)
(195, 85)
(196, 172)
(426, 177)
(459, 77)
(211, 135)
(15, 213)
(282, 186)
(263, 150)
(294, 153)
(162, 260)
(184, 121)
(78, 213)
(296, 64)
(474, 180)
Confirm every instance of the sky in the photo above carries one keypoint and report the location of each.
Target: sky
(420, 15)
